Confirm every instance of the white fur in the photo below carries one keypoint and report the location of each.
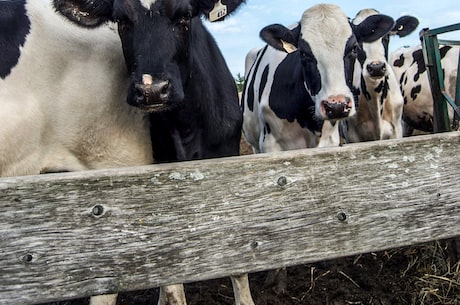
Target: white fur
(326, 29)
(63, 106)
(147, 3)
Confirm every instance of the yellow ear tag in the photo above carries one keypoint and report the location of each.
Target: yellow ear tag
(219, 11)
(288, 47)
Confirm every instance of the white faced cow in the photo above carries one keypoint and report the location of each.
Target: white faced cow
(380, 101)
(303, 77)
(409, 67)
(63, 90)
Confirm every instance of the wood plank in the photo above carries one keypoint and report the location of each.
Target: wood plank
(77, 234)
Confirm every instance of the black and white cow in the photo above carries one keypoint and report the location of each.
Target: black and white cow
(63, 90)
(303, 77)
(61, 95)
(178, 74)
(409, 66)
(380, 102)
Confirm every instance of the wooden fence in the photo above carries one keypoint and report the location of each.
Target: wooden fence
(77, 234)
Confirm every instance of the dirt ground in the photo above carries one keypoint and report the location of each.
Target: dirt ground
(427, 274)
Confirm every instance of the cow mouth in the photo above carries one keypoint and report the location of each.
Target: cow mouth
(153, 108)
(336, 110)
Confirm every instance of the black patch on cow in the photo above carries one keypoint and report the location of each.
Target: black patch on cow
(268, 130)
(399, 62)
(403, 80)
(248, 89)
(353, 51)
(311, 75)
(417, 57)
(415, 91)
(443, 51)
(421, 121)
(86, 13)
(380, 87)
(288, 97)
(14, 27)
(249, 85)
(263, 81)
(367, 95)
(383, 88)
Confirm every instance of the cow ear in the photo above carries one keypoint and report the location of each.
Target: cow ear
(404, 26)
(280, 37)
(86, 13)
(373, 27)
(217, 10)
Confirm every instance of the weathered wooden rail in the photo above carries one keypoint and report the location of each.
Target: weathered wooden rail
(83, 233)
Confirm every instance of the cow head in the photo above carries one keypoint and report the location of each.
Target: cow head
(156, 36)
(374, 55)
(327, 45)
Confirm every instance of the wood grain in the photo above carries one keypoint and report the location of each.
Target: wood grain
(78, 234)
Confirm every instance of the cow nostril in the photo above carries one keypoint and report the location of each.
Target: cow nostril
(139, 92)
(164, 90)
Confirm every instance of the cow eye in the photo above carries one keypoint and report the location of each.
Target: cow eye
(354, 51)
(306, 56)
(184, 22)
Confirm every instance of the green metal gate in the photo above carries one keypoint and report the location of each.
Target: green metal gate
(441, 100)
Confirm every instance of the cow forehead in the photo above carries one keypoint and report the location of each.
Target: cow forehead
(147, 3)
(326, 28)
(363, 14)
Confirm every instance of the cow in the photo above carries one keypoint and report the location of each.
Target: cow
(380, 102)
(67, 92)
(409, 66)
(60, 89)
(173, 60)
(301, 83)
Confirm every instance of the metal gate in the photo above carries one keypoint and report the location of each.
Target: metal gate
(441, 100)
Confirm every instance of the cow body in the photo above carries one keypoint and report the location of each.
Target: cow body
(380, 102)
(179, 77)
(62, 105)
(294, 96)
(299, 86)
(409, 66)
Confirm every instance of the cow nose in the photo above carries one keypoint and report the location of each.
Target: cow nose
(155, 92)
(376, 69)
(337, 107)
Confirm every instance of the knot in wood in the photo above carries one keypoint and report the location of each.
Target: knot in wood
(27, 258)
(282, 181)
(98, 210)
(341, 216)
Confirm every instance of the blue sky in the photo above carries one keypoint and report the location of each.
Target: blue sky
(240, 32)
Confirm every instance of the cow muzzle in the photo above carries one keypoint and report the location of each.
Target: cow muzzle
(152, 93)
(337, 107)
(377, 69)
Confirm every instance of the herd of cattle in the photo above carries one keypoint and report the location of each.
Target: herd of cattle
(72, 70)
